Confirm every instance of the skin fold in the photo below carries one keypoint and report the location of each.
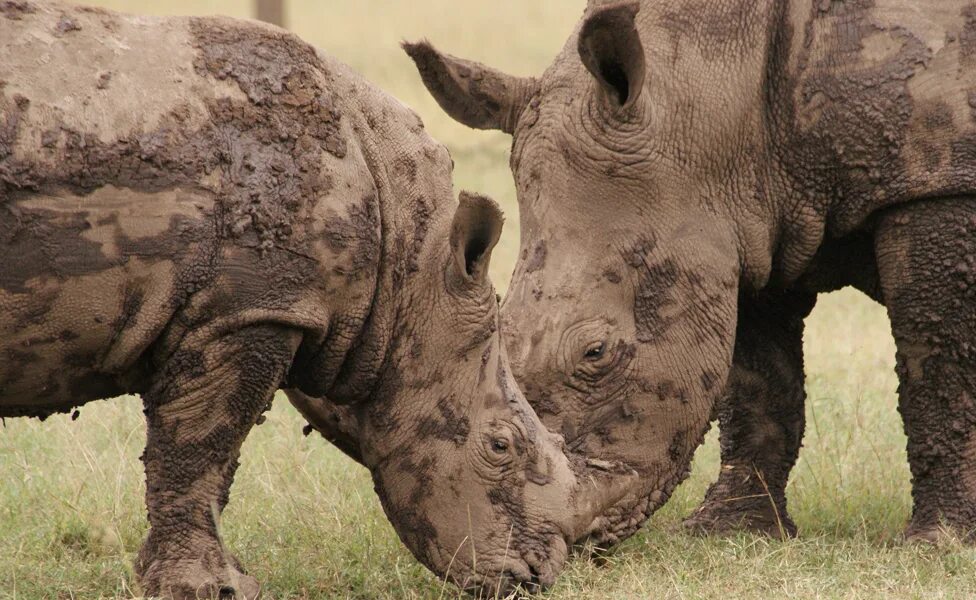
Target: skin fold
(203, 211)
(690, 175)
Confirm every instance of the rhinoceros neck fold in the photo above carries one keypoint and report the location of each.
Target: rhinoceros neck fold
(412, 178)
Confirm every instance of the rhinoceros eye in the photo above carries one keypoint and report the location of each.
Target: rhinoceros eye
(595, 351)
(499, 446)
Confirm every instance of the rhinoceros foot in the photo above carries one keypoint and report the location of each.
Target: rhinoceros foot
(739, 501)
(183, 579)
(719, 519)
(945, 531)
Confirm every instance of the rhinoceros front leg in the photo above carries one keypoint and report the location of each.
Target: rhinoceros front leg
(199, 409)
(761, 419)
(927, 263)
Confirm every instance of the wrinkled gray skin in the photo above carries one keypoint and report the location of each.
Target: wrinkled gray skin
(203, 211)
(691, 174)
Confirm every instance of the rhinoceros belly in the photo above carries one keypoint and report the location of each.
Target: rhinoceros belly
(87, 283)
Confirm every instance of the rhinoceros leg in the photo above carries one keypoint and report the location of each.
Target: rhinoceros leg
(927, 263)
(761, 420)
(199, 409)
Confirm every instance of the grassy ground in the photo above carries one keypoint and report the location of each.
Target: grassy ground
(305, 520)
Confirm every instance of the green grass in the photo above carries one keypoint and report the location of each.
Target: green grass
(304, 519)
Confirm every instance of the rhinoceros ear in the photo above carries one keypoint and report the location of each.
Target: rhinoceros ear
(476, 229)
(612, 51)
(476, 95)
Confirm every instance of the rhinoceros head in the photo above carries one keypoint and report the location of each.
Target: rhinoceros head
(620, 319)
(476, 487)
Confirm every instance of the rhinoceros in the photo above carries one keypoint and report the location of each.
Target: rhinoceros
(203, 211)
(690, 175)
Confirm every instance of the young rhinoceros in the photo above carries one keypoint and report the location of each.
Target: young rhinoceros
(203, 211)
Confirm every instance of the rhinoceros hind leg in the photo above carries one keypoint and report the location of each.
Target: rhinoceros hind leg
(760, 420)
(927, 262)
(200, 407)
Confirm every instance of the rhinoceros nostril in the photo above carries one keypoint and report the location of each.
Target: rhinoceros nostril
(500, 585)
(516, 587)
(534, 584)
(541, 574)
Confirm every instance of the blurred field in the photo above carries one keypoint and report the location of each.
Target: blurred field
(304, 519)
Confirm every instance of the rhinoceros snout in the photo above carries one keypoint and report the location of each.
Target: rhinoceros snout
(543, 574)
(534, 572)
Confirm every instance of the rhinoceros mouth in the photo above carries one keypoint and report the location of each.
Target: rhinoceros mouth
(625, 518)
(617, 524)
(530, 571)
(522, 577)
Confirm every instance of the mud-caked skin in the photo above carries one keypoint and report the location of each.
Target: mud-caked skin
(691, 173)
(203, 211)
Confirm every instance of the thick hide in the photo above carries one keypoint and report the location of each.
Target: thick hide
(203, 211)
(690, 175)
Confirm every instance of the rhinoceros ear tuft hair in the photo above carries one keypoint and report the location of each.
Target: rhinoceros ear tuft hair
(471, 93)
(611, 51)
(476, 229)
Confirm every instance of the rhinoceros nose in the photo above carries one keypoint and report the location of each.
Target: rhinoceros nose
(518, 576)
(543, 573)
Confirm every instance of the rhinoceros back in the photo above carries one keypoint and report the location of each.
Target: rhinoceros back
(884, 102)
(151, 168)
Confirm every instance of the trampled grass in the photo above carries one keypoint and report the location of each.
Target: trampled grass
(305, 520)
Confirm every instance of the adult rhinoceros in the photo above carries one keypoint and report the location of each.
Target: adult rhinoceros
(691, 174)
(205, 210)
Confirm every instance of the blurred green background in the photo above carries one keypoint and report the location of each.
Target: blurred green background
(304, 519)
